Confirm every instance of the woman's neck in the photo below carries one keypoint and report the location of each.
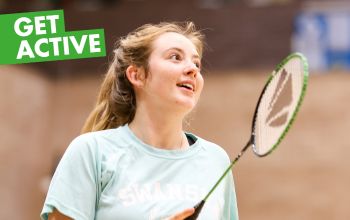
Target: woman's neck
(160, 130)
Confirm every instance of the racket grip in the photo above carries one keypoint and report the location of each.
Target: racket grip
(197, 210)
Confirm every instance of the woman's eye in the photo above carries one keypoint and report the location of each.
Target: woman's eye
(175, 57)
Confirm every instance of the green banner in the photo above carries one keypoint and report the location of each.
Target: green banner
(41, 36)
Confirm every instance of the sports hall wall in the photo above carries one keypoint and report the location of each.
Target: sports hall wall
(44, 105)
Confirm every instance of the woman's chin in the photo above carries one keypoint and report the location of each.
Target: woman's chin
(186, 105)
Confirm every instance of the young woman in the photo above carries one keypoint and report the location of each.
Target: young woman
(134, 160)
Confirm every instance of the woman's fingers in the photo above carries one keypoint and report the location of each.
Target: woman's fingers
(182, 215)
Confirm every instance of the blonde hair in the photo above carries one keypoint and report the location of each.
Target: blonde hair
(116, 102)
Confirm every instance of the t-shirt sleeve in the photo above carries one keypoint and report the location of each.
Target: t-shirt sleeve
(74, 187)
(231, 210)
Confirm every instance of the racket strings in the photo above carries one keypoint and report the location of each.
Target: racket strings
(277, 105)
(282, 98)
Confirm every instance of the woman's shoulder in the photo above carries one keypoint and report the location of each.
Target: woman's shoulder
(98, 139)
(211, 147)
(96, 136)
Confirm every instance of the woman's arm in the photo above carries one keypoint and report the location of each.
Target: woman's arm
(56, 215)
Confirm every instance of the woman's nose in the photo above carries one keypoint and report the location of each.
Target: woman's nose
(191, 69)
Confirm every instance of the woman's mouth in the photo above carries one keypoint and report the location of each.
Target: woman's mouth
(186, 86)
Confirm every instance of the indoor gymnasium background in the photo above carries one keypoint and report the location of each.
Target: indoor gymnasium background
(43, 106)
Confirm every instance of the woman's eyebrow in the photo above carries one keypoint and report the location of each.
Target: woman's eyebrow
(181, 51)
(175, 48)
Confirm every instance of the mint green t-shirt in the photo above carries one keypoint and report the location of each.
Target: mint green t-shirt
(113, 175)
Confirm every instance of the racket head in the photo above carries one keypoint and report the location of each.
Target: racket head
(279, 103)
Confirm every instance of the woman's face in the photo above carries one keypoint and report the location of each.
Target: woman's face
(174, 79)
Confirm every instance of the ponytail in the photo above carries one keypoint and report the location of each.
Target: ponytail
(101, 117)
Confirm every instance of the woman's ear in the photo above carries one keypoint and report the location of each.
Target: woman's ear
(136, 75)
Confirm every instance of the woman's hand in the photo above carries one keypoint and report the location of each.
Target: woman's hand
(56, 215)
(181, 215)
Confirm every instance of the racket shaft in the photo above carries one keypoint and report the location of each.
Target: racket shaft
(200, 205)
(227, 170)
